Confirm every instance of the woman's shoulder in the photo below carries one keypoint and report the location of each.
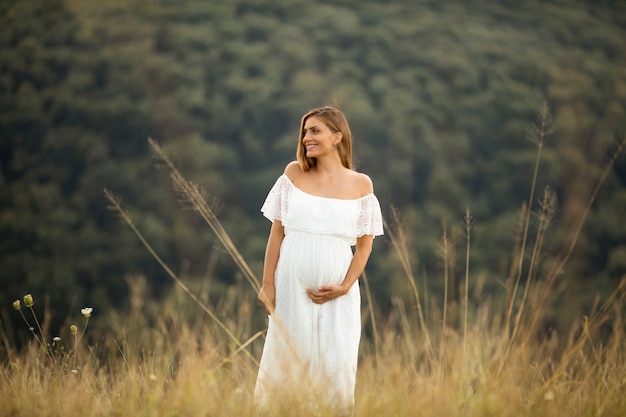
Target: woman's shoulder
(293, 170)
(363, 183)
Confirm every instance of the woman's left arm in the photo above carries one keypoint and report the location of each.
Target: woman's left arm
(357, 266)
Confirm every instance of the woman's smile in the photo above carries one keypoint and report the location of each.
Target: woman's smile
(310, 146)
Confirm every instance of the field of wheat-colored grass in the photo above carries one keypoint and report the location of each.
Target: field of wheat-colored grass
(161, 361)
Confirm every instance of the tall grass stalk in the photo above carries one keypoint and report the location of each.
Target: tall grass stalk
(467, 227)
(619, 145)
(117, 206)
(538, 134)
(445, 248)
(398, 238)
(370, 307)
(545, 215)
(3, 334)
(197, 197)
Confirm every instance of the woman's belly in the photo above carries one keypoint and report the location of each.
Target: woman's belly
(311, 260)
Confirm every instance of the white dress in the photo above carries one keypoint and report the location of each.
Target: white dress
(312, 349)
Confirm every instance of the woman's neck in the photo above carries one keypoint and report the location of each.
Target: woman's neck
(330, 165)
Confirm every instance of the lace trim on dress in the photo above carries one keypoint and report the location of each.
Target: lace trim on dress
(370, 221)
(277, 201)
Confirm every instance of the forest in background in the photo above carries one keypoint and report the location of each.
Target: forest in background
(441, 97)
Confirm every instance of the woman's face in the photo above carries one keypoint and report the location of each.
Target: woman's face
(318, 139)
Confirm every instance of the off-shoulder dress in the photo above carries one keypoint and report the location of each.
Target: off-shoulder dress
(310, 347)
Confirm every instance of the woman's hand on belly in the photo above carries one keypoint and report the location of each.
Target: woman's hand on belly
(326, 293)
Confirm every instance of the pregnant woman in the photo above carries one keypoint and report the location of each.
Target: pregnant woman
(320, 208)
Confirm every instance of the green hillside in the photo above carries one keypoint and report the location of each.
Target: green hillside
(442, 98)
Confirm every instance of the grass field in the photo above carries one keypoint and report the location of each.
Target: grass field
(155, 363)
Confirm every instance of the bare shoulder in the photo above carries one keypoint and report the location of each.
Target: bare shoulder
(293, 170)
(363, 183)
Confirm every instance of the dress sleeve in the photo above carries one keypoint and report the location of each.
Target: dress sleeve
(275, 206)
(370, 220)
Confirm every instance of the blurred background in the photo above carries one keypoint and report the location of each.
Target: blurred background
(441, 97)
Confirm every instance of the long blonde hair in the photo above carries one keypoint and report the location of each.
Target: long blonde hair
(335, 120)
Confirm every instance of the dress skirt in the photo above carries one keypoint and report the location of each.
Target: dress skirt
(311, 350)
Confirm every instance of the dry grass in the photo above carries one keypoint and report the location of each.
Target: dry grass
(487, 357)
(174, 368)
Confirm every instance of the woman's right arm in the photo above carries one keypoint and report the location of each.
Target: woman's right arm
(267, 294)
